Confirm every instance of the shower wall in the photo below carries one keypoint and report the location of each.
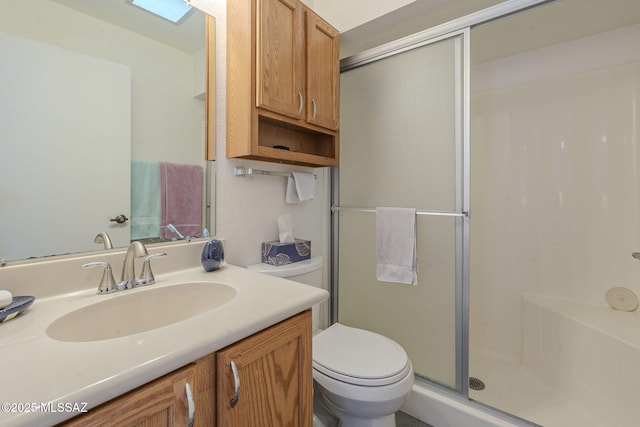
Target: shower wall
(555, 180)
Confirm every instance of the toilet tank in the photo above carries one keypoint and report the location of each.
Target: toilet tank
(308, 272)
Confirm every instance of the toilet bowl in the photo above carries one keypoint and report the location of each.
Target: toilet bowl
(361, 377)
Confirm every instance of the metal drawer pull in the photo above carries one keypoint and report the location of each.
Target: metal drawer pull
(315, 110)
(191, 404)
(300, 102)
(236, 382)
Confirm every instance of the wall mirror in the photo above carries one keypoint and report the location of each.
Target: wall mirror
(89, 88)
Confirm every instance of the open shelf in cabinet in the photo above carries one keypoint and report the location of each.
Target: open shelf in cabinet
(292, 144)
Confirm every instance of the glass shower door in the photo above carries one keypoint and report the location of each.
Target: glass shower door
(403, 145)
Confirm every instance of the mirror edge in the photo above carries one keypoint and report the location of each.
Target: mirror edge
(210, 92)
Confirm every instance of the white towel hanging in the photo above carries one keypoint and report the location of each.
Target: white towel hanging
(300, 187)
(396, 258)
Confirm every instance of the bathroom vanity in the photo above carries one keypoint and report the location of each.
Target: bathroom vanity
(273, 366)
(262, 331)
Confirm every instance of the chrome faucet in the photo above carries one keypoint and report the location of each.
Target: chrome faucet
(128, 276)
(105, 239)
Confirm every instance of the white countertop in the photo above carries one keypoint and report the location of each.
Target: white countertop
(38, 369)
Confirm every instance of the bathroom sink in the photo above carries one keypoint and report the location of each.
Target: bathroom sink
(138, 310)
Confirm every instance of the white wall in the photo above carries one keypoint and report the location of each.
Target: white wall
(555, 191)
(345, 15)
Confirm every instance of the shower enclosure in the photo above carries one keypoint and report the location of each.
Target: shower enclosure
(516, 139)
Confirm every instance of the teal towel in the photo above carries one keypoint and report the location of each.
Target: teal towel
(145, 199)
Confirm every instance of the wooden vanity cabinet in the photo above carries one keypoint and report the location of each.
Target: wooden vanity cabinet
(160, 403)
(282, 83)
(273, 377)
(274, 369)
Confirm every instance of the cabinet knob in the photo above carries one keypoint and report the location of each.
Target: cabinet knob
(315, 109)
(236, 384)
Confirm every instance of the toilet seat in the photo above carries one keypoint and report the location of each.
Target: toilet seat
(359, 357)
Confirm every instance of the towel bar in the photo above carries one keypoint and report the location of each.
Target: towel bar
(240, 171)
(463, 214)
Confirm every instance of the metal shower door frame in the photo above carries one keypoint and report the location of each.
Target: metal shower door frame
(461, 212)
(455, 28)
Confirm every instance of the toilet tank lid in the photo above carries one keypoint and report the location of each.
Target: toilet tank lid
(289, 270)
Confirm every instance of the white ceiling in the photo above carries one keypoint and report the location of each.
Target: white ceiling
(560, 20)
(555, 22)
(345, 15)
(187, 36)
(409, 19)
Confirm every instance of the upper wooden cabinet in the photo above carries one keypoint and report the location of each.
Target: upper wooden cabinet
(280, 57)
(282, 83)
(323, 75)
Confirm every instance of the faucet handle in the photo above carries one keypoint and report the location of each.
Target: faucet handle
(107, 282)
(146, 277)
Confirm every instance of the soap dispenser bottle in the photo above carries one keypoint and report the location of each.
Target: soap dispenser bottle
(212, 254)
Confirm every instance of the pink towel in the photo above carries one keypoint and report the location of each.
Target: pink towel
(180, 199)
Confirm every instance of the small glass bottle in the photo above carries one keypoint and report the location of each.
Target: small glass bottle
(213, 255)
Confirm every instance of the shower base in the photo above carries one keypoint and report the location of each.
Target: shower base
(509, 387)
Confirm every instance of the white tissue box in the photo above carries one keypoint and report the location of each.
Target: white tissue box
(276, 253)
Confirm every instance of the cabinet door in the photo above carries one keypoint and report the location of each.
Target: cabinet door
(280, 57)
(275, 378)
(323, 73)
(160, 403)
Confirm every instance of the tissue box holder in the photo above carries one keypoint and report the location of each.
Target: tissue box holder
(276, 253)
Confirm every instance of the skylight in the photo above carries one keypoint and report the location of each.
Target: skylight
(172, 10)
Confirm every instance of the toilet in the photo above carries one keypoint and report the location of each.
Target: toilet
(362, 378)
